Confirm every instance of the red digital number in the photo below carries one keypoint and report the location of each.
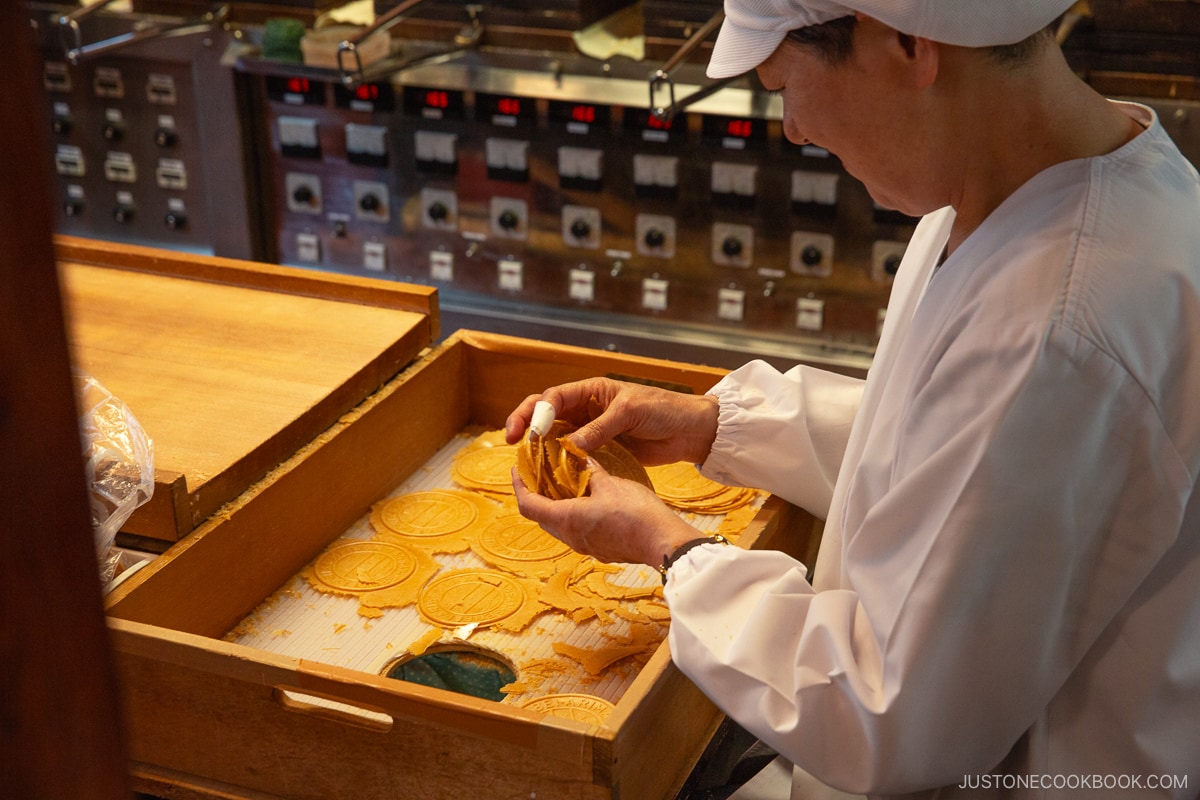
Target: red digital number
(742, 128)
(437, 99)
(298, 85)
(509, 105)
(367, 91)
(658, 124)
(583, 113)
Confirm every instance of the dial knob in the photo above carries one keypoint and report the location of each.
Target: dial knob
(811, 255)
(438, 212)
(369, 203)
(113, 131)
(165, 137)
(580, 229)
(732, 246)
(303, 195)
(655, 238)
(508, 220)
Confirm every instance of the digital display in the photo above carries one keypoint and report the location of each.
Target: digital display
(579, 117)
(295, 90)
(365, 97)
(504, 109)
(639, 121)
(432, 103)
(735, 132)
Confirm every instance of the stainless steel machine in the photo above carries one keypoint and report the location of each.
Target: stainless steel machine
(559, 170)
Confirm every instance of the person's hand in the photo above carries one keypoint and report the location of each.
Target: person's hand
(656, 425)
(618, 521)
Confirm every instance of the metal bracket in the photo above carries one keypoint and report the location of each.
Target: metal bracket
(468, 37)
(662, 76)
(76, 50)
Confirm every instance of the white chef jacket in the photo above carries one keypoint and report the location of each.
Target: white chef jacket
(1008, 588)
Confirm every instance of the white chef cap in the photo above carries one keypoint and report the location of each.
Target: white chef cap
(754, 28)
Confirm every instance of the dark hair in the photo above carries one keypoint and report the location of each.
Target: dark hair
(834, 41)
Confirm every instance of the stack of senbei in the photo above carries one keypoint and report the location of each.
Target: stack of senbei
(452, 587)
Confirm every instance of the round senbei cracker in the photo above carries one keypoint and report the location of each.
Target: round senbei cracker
(480, 597)
(486, 469)
(681, 486)
(439, 520)
(519, 545)
(354, 567)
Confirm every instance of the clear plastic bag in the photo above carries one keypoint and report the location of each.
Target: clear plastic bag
(119, 461)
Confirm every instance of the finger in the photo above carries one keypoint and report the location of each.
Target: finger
(518, 420)
(531, 504)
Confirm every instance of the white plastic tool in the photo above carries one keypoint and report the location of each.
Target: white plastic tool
(543, 418)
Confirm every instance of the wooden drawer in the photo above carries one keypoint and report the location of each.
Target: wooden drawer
(212, 718)
(229, 366)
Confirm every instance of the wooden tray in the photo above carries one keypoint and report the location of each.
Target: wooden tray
(229, 366)
(210, 718)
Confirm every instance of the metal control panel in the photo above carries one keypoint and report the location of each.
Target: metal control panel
(146, 135)
(528, 186)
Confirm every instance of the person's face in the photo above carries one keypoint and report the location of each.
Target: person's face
(860, 109)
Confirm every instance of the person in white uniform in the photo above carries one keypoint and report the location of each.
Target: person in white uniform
(1006, 601)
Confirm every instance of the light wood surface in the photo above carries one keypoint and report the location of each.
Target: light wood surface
(229, 379)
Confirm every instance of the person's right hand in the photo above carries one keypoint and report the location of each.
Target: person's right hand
(656, 425)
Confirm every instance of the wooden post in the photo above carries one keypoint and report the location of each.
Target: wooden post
(60, 731)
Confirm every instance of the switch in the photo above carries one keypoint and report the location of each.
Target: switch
(510, 218)
(441, 265)
(436, 152)
(440, 209)
(107, 82)
(581, 226)
(308, 248)
(510, 274)
(812, 254)
(160, 89)
(654, 294)
(810, 314)
(655, 175)
(371, 201)
(885, 259)
(814, 191)
(507, 159)
(113, 129)
(165, 134)
(303, 193)
(581, 285)
(366, 145)
(731, 304)
(736, 183)
(68, 160)
(374, 256)
(62, 123)
(298, 137)
(119, 168)
(171, 174)
(123, 211)
(56, 77)
(74, 205)
(580, 168)
(732, 245)
(655, 235)
(175, 220)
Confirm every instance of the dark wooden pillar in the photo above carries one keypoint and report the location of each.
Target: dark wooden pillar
(60, 732)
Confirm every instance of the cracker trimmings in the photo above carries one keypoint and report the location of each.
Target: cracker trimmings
(642, 639)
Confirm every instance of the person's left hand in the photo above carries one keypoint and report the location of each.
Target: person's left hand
(618, 521)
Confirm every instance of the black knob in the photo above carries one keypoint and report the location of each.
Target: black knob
(811, 255)
(438, 212)
(73, 208)
(732, 246)
(303, 195)
(655, 238)
(891, 264)
(175, 220)
(369, 202)
(508, 220)
(165, 137)
(580, 229)
(123, 213)
(61, 125)
(113, 131)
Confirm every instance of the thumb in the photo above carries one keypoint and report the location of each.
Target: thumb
(593, 435)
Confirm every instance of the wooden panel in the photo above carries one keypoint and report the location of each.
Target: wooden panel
(229, 370)
(62, 735)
